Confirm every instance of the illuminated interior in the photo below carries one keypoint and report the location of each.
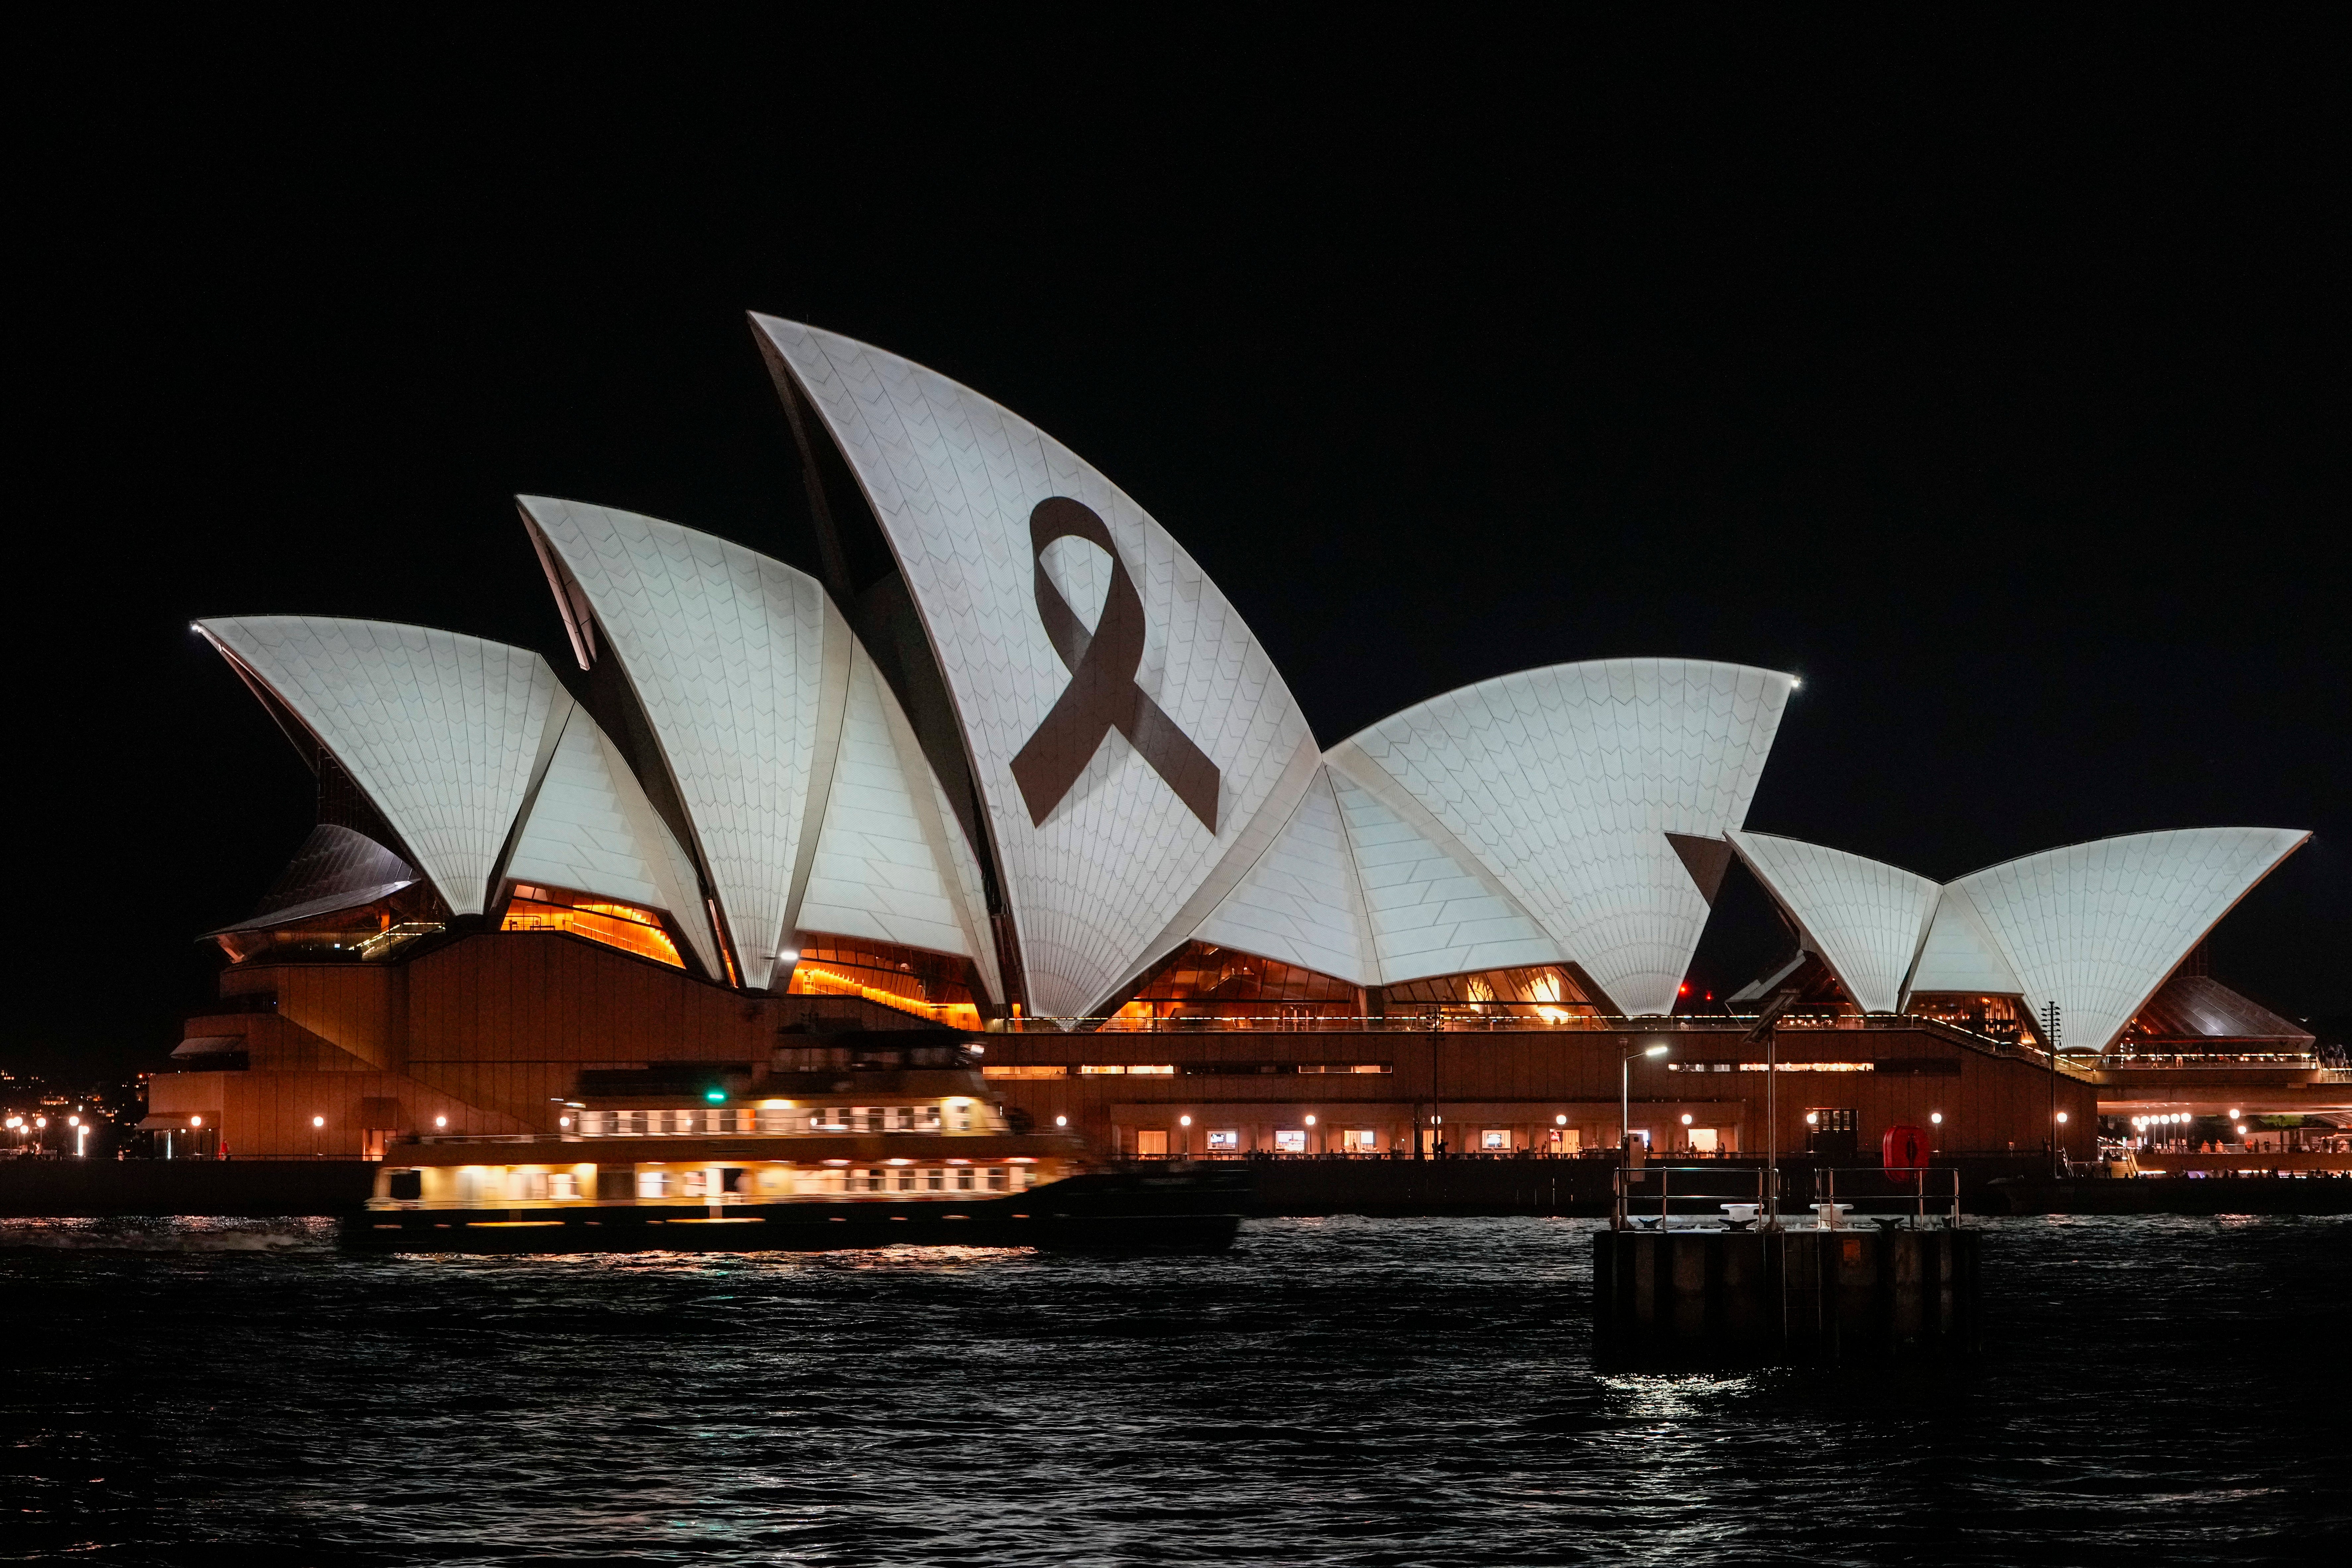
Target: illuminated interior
(928, 985)
(372, 933)
(2003, 1019)
(1544, 992)
(626, 927)
(1202, 985)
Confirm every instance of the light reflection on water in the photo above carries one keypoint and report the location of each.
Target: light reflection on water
(1341, 1390)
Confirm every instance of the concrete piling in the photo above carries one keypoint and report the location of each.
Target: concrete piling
(1798, 1294)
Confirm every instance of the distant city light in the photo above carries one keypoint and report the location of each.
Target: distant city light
(318, 1121)
(714, 1095)
(1560, 1121)
(1061, 1121)
(196, 1121)
(1183, 1121)
(1936, 1118)
(1657, 1051)
(440, 1121)
(2061, 1117)
(1686, 1119)
(1310, 1120)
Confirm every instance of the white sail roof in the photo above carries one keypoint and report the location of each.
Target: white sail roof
(2097, 927)
(1864, 917)
(590, 829)
(1564, 782)
(885, 864)
(1103, 874)
(445, 733)
(1302, 903)
(1431, 908)
(728, 653)
(1959, 955)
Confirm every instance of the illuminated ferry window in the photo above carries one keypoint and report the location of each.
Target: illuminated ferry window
(1032, 1070)
(871, 1180)
(637, 1120)
(996, 1178)
(966, 1179)
(1129, 1069)
(1290, 1143)
(1495, 1138)
(1359, 1140)
(653, 1183)
(1226, 1139)
(935, 1181)
(776, 1121)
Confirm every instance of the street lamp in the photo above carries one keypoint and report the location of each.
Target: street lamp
(1625, 1094)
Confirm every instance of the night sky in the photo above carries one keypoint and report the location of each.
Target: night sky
(1991, 381)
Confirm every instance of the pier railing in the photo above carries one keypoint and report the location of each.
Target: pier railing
(1719, 1197)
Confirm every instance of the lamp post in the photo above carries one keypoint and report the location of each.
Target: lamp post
(1625, 1096)
(2053, 1022)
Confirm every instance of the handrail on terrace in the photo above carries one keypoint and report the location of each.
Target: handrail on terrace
(1714, 1197)
(1452, 1018)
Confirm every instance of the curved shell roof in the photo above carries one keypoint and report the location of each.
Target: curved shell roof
(1864, 917)
(590, 829)
(728, 653)
(1564, 783)
(886, 866)
(1104, 876)
(2098, 926)
(445, 733)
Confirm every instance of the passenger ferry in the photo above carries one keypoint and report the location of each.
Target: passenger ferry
(866, 1141)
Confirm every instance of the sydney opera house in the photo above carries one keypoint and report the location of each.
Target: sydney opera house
(1013, 766)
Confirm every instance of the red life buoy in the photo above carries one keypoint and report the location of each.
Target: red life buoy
(1904, 1150)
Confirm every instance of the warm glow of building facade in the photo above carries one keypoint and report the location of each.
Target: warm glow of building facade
(1015, 766)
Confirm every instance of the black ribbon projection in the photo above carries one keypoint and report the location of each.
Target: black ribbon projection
(1102, 695)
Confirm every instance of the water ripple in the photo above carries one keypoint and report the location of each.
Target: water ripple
(1341, 1390)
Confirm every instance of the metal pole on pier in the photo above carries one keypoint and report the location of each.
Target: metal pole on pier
(2052, 1020)
(1767, 1029)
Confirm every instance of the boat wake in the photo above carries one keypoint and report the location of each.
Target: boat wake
(167, 1234)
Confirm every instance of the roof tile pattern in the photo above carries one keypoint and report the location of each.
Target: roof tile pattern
(953, 479)
(1564, 781)
(1864, 916)
(1959, 955)
(725, 649)
(1430, 908)
(2098, 926)
(1301, 904)
(877, 872)
(592, 829)
(443, 731)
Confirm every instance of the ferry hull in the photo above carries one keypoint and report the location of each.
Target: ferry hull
(1117, 1212)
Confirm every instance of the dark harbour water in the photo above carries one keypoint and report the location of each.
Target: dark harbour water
(2153, 1391)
